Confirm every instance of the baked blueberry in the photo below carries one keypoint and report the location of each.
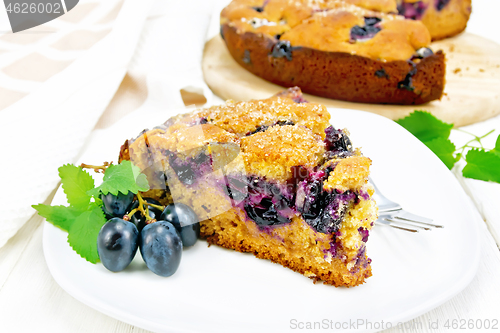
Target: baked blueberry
(440, 4)
(285, 122)
(423, 52)
(372, 20)
(265, 213)
(370, 29)
(313, 201)
(258, 9)
(189, 169)
(413, 11)
(246, 57)
(263, 128)
(381, 73)
(282, 49)
(336, 140)
(407, 82)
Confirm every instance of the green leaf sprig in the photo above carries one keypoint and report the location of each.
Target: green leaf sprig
(84, 217)
(481, 164)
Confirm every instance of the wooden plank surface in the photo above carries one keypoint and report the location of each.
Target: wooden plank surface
(472, 91)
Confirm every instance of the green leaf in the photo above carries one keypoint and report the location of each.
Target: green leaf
(123, 178)
(444, 149)
(82, 235)
(98, 202)
(425, 126)
(482, 165)
(60, 216)
(496, 150)
(76, 182)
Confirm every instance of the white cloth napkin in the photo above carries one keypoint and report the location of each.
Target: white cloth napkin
(49, 127)
(170, 53)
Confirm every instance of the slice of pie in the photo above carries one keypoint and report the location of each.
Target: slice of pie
(271, 177)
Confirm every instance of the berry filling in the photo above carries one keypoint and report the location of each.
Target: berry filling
(336, 250)
(371, 28)
(440, 4)
(362, 260)
(271, 204)
(190, 169)
(265, 203)
(413, 11)
(337, 143)
(364, 234)
(324, 211)
(265, 213)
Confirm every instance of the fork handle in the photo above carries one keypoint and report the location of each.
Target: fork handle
(384, 204)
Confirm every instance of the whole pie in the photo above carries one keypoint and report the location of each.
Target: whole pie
(352, 50)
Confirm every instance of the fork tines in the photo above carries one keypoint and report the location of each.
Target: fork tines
(404, 220)
(392, 214)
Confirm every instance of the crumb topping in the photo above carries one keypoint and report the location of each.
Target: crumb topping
(189, 138)
(242, 118)
(348, 174)
(272, 154)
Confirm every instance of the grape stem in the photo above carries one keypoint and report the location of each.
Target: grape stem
(145, 212)
(129, 215)
(154, 206)
(97, 168)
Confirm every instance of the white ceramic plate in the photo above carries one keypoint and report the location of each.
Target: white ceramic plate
(217, 290)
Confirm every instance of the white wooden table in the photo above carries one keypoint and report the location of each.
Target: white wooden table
(31, 301)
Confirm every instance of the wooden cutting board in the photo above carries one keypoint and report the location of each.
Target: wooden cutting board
(472, 91)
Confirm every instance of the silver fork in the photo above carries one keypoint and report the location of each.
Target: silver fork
(392, 214)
